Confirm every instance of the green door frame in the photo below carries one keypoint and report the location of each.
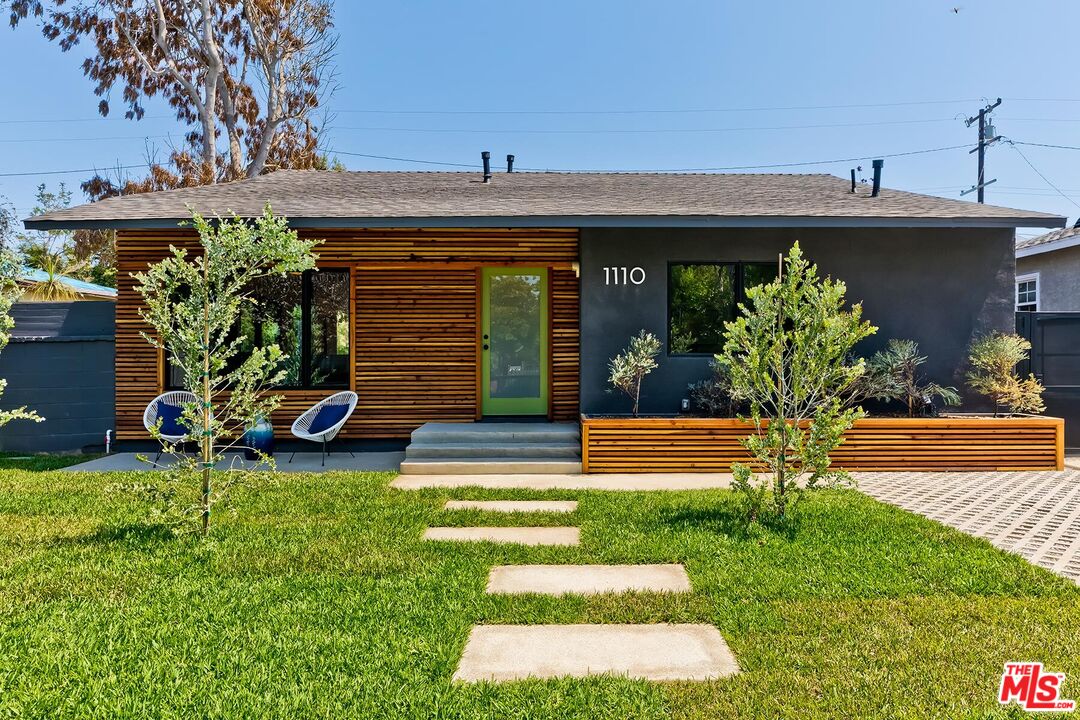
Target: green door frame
(514, 406)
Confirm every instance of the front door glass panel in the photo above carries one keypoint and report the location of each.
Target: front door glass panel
(514, 347)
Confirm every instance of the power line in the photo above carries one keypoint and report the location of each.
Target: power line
(1045, 145)
(658, 111)
(49, 121)
(1039, 173)
(85, 139)
(635, 131)
(71, 172)
(668, 170)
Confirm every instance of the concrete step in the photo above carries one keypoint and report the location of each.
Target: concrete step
(490, 466)
(483, 449)
(468, 433)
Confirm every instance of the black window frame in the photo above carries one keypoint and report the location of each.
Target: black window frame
(306, 295)
(740, 294)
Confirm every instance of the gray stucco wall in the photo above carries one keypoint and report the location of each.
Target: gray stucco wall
(1059, 278)
(940, 287)
(59, 363)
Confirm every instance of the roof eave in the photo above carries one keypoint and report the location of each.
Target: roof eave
(582, 221)
(1068, 242)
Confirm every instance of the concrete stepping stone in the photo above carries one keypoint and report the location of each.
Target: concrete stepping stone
(516, 535)
(503, 653)
(512, 506)
(586, 579)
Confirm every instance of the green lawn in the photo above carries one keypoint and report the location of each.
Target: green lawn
(320, 600)
(40, 463)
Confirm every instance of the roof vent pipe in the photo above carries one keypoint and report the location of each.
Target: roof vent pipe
(509, 163)
(878, 164)
(486, 157)
(853, 180)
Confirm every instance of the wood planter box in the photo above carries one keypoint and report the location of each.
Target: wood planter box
(959, 442)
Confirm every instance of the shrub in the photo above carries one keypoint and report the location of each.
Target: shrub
(993, 373)
(629, 368)
(788, 356)
(893, 374)
(714, 396)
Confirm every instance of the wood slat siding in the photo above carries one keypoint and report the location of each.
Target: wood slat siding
(873, 444)
(415, 323)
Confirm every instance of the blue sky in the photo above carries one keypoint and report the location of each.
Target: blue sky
(624, 85)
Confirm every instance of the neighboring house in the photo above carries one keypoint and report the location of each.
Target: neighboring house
(442, 297)
(1048, 272)
(59, 362)
(83, 290)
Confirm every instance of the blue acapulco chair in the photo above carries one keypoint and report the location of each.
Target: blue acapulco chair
(169, 409)
(324, 420)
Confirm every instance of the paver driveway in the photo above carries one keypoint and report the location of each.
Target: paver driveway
(1033, 514)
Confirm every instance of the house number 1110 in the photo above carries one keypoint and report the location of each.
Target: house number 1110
(624, 275)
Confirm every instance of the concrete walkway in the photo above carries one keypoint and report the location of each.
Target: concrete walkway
(612, 482)
(303, 462)
(1033, 514)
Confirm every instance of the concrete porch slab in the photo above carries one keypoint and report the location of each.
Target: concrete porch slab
(513, 506)
(503, 653)
(514, 535)
(303, 462)
(586, 579)
(613, 481)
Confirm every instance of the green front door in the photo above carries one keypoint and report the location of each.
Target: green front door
(514, 361)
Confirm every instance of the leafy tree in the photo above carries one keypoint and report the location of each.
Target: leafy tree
(245, 74)
(85, 255)
(9, 293)
(788, 356)
(629, 368)
(993, 373)
(9, 224)
(193, 304)
(893, 374)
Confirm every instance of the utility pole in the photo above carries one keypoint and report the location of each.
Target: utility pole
(981, 149)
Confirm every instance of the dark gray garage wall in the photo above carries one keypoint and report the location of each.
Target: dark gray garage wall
(940, 287)
(60, 363)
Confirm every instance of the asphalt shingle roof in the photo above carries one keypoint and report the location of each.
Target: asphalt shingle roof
(1053, 235)
(355, 196)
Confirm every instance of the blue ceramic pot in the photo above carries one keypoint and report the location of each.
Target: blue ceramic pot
(259, 437)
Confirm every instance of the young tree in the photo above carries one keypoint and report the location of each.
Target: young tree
(788, 356)
(9, 293)
(248, 74)
(993, 361)
(629, 368)
(192, 303)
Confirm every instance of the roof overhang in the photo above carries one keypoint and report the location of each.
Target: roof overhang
(584, 221)
(1061, 244)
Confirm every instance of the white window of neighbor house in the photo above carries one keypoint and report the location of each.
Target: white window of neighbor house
(1027, 292)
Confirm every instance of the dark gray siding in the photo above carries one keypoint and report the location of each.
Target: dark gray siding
(940, 287)
(59, 363)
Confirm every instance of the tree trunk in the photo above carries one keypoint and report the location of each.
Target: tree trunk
(206, 442)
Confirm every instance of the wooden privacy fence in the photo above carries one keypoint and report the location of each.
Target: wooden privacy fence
(712, 444)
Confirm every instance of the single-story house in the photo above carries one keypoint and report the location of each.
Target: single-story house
(1048, 272)
(448, 296)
